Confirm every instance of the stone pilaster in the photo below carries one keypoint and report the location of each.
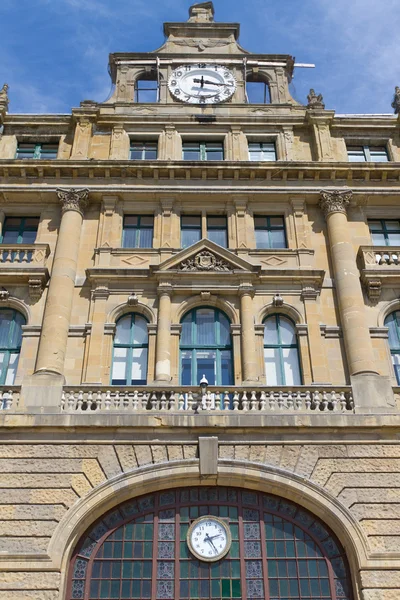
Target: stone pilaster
(320, 121)
(249, 356)
(163, 344)
(57, 315)
(82, 137)
(119, 143)
(359, 352)
(170, 144)
(236, 147)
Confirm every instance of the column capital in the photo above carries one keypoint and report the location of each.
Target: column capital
(73, 199)
(246, 290)
(334, 201)
(165, 290)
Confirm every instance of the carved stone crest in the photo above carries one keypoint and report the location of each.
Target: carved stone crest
(201, 43)
(205, 261)
(335, 201)
(73, 199)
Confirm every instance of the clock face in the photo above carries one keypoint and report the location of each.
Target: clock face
(209, 538)
(202, 84)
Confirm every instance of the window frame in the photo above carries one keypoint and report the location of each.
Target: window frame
(9, 350)
(130, 347)
(395, 351)
(144, 148)
(280, 346)
(262, 144)
(218, 228)
(190, 228)
(366, 149)
(270, 228)
(194, 346)
(203, 150)
(137, 228)
(21, 228)
(151, 77)
(38, 152)
(386, 232)
(266, 92)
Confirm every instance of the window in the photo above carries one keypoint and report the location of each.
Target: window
(385, 232)
(279, 550)
(206, 348)
(257, 90)
(138, 231)
(190, 230)
(262, 151)
(203, 151)
(281, 354)
(146, 88)
(367, 154)
(392, 322)
(130, 351)
(19, 230)
(217, 230)
(143, 151)
(270, 232)
(11, 323)
(39, 151)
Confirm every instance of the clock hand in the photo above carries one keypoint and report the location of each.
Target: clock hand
(209, 540)
(215, 83)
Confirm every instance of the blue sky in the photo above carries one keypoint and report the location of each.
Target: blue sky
(54, 53)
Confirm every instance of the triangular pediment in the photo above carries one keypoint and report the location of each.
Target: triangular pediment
(206, 257)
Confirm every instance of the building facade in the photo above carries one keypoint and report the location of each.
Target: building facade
(200, 330)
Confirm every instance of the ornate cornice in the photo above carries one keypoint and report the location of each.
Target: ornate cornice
(73, 199)
(335, 201)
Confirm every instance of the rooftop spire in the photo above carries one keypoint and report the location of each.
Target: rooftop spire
(201, 13)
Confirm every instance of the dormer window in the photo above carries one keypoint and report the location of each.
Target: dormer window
(257, 90)
(146, 88)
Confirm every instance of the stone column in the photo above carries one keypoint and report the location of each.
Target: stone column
(163, 345)
(249, 355)
(57, 314)
(347, 279)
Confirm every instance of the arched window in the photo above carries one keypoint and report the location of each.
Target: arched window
(278, 550)
(392, 322)
(11, 323)
(130, 351)
(281, 354)
(206, 348)
(146, 88)
(257, 89)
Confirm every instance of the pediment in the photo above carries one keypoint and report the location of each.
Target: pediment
(206, 257)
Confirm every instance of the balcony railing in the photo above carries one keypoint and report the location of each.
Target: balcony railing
(23, 254)
(9, 398)
(379, 266)
(180, 400)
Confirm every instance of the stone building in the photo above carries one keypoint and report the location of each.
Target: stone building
(200, 317)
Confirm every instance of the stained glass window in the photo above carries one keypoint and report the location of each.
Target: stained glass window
(279, 551)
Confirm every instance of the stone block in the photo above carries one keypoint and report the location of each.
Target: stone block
(208, 453)
(126, 456)
(41, 393)
(372, 394)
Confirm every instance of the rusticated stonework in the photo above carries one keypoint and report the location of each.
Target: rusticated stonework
(335, 201)
(73, 199)
(205, 261)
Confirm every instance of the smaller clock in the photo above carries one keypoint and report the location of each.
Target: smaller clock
(209, 538)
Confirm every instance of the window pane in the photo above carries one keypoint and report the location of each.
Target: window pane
(206, 365)
(378, 239)
(375, 225)
(260, 222)
(123, 331)
(257, 92)
(356, 154)
(255, 155)
(139, 330)
(146, 238)
(393, 239)
(49, 151)
(190, 237)
(392, 225)
(378, 154)
(291, 366)
(25, 150)
(6, 320)
(262, 239)
(218, 236)
(277, 239)
(216, 153)
(191, 222)
(139, 365)
(225, 330)
(396, 366)
(226, 367)
(272, 368)
(390, 322)
(191, 151)
(3, 360)
(186, 368)
(130, 237)
(136, 154)
(270, 331)
(276, 222)
(131, 220)
(287, 331)
(186, 337)
(216, 222)
(28, 237)
(119, 365)
(12, 369)
(205, 320)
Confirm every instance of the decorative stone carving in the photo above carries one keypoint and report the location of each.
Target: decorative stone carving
(374, 289)
(201, 13)
(205, 296)
(35, 289)
(133, 300)
(396, 100)
(201, 43)
(205, 261)
(4, 295)
(315, 101)
(277, 300)
(4, 97)
(73, 199)
(309, 292)
(101, 292)
(335, 201)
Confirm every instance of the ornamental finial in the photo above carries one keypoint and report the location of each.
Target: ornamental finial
(201, 13)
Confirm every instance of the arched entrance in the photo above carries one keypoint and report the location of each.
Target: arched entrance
(278, 550)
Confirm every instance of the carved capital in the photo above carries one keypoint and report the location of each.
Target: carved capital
(165, 289)
(335, 201)
(73, 199)
(374, 289)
